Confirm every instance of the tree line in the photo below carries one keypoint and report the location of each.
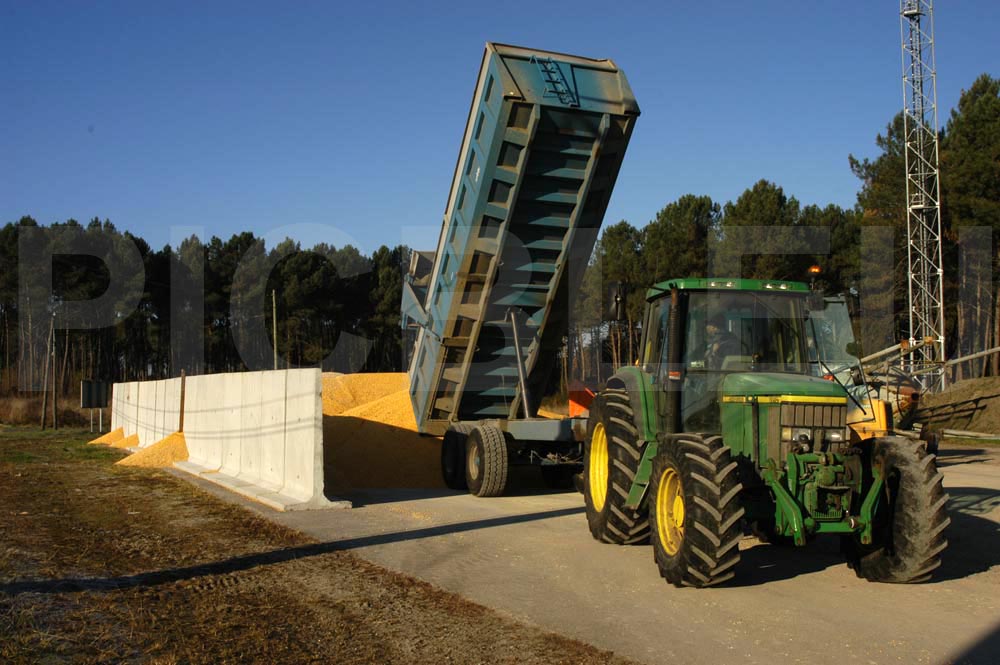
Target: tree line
(339, 309)
(336, 308)
(867, 253)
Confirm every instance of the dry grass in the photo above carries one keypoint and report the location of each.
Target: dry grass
(107, 564)
(20, 410)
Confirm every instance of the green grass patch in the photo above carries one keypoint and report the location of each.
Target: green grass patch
(33, 433)
(30, 445)
(84, 451)
(17, 457)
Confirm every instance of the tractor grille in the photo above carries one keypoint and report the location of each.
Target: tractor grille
(813, 415)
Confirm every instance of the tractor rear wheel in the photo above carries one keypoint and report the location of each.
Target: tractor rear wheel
(695, 511)
(910, 519)
(486, 461)
(611, 457)
(453, 456)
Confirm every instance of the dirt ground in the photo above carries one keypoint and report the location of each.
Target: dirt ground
(972, 405)
(104, 563)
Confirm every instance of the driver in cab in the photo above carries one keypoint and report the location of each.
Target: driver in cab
(719, 342)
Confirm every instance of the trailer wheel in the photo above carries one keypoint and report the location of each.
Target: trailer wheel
(611, 457)
(695, 511)
(909, 521)
(453, 456)
(486, 461)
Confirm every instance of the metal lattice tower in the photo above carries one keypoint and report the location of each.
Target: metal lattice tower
(923, 192)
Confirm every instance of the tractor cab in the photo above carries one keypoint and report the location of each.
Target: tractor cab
(723, 328)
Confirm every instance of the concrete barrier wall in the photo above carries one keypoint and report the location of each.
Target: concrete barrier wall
(303, 434)
(256, 433)
(149, 409)
(259, 434)
(125, 407)
(146, 419)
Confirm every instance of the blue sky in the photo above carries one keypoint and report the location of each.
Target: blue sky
(341, 122)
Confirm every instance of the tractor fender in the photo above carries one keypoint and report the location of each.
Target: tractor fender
(639, 386)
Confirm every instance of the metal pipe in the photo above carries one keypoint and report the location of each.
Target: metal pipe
(964, 434)
(898, 348)
(879, 354)
(973, 356)
(520, 365)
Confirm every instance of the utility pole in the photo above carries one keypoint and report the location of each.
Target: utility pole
(55, 383)
(274, 325)
(925, 277)
(45, 375)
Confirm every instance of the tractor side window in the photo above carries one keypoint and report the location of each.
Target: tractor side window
(830, 340)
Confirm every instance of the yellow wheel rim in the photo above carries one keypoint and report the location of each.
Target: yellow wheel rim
(597, 472)
(670, 511)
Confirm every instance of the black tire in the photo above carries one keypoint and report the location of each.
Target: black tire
(486, 461)
(609, 519)
(911, 518)
(931, 439)
(704, 549)
(559, 476)
(453, 456)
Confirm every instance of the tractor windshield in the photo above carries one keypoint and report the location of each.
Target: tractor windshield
(738, 331)
(745, 331)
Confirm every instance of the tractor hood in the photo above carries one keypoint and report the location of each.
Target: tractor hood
(756, 384)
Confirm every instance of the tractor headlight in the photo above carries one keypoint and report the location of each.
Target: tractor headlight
(796, 433)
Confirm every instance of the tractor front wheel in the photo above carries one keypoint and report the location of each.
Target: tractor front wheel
(910, 519)
(695, 511)
(611, 456)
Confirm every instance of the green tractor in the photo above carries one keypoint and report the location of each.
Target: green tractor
(748, 409)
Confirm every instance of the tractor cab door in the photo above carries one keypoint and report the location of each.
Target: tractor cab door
(656, 349)
(655, 335)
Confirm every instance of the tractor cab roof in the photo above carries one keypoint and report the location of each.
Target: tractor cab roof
(726, 284)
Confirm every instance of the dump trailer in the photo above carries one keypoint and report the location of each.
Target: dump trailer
(543, 144)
